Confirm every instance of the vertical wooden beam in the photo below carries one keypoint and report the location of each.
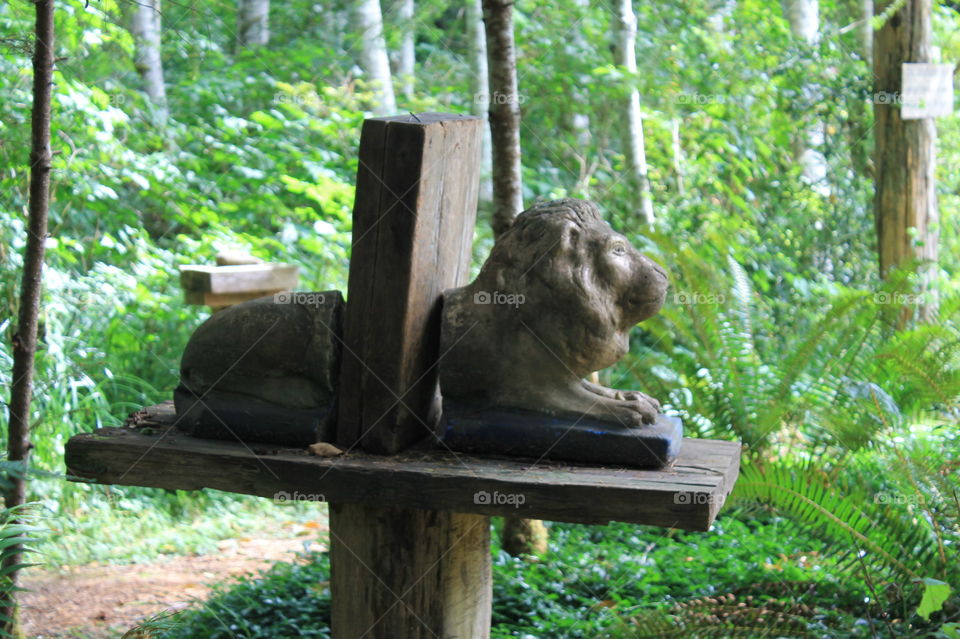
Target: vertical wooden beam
(413, 222)
(400, 573)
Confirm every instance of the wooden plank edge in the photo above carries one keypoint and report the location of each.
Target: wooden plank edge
(110, 460)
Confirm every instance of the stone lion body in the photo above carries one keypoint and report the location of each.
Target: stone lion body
(555, 300)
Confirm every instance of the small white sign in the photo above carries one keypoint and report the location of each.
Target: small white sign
(927, 90)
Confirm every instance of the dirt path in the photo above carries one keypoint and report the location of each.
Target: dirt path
(103, 601)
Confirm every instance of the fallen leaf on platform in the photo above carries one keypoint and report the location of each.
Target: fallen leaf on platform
(323, 449)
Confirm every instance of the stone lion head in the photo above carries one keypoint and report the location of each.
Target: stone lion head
(584, 286)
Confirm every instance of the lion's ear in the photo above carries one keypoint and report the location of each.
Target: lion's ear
(569, 237)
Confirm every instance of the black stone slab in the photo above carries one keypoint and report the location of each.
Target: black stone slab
(501, 431)
(232, 417)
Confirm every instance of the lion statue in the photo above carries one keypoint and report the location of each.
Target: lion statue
(555, 300)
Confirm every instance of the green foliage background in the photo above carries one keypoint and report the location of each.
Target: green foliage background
(789, 346)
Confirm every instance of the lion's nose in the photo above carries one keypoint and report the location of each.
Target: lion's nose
(659, 269)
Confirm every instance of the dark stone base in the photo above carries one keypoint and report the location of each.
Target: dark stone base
(502, 431)
(232, 417)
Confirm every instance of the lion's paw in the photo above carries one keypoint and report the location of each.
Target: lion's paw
(634, 412)
(641, 397)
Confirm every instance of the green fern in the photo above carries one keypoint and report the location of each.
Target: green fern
(153, 627)
(723, 617)
(18, 533)
(838, 378)
(890, 538)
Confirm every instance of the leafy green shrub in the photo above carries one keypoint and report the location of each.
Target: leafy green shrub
(590, 581)
(289, 600)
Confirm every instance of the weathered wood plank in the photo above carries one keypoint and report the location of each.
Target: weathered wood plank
(437, 553)
(686, 494)
(242, 278)
(414, 215)
(219, 300)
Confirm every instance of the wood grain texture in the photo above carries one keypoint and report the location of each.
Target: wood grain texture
(687, 494)
(442, 558)
(414, 215)
(240, 278)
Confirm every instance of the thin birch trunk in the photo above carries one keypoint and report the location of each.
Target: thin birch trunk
(480, 86)
(626, 56)
(406, 60)
(253, 23)
(146, 34)
(368, 26)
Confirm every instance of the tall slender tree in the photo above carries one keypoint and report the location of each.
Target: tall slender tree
(25, 337)
(146, 33)
(861, 112)
(625, 54)
(519, 536)
(905, 199)
(368, 26)
(866, 29)
(804, 19)
(504, 109)
(480, 86)
(406, 56)
(253, 23)
(579, 116)
(677, 154)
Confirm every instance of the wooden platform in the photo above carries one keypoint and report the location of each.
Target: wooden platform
(149, 451)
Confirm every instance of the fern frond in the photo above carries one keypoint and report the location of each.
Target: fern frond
(726, 616)
(894, 540)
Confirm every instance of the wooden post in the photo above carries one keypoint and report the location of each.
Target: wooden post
(399, 573)
(402, 573)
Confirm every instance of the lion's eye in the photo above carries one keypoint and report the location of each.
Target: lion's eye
(619, 249)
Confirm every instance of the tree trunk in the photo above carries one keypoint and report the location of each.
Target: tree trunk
(523, 536)
(677, 154)
(861, 118)
(146, 34)
(368, 26)
(406, 59)
(480, 86)
(905, 202)
(866, 29)
(721, 14)
(253, 23)
(502, 96)
(626, 56)
(25, 337)
(804, 19)
(579, 118)
(504, 104)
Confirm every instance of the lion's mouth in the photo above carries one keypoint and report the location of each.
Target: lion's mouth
(640, 307)
(648, 293)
